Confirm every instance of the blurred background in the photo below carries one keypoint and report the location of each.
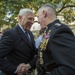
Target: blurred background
(9, 9)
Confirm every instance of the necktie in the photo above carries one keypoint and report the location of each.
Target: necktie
(26, 33)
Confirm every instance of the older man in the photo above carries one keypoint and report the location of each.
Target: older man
(57, 50)
(17, 48)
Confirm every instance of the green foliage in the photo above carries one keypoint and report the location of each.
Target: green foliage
(65, 8)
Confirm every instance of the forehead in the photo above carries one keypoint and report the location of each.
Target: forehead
(39, 13)
(29, 15)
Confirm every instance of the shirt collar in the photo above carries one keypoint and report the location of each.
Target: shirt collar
(21, 28)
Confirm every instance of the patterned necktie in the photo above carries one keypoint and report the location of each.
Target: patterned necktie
(28, 37)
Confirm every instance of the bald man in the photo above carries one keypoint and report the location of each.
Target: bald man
(57, 49)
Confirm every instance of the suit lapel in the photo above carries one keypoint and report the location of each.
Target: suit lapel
(23, 36)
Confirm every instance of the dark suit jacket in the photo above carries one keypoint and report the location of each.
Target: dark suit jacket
(16, 49)
(59, 56)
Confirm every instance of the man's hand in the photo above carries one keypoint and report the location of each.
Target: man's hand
(27, 66)
(23, 68)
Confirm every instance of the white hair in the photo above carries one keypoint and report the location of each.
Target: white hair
(25, 11)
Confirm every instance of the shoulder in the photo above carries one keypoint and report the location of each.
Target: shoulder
(60, 25)
(11, 33)
(62, 28)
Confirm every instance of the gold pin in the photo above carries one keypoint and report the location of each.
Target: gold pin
(41, 61)
(41, 55)
(49, 32)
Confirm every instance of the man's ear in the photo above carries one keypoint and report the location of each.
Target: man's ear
(44, 13)
(20, 17)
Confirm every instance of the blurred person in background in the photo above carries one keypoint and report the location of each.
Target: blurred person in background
(39, 38)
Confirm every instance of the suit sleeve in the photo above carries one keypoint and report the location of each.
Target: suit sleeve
(33, 61)
(6, 47)
(62, 47)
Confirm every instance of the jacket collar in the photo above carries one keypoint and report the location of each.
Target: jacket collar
(23, 36)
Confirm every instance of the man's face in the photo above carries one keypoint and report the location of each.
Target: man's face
(27, 20)
(41, 19)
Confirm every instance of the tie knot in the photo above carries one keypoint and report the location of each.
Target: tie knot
(28, 36)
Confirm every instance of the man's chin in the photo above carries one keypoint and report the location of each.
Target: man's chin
(42, 27)
(28, 28)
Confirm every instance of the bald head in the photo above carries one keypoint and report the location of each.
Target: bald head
(46, 15)
(49, 9)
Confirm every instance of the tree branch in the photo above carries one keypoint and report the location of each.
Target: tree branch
(65, 7)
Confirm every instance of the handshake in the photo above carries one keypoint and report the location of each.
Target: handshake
(22, 68)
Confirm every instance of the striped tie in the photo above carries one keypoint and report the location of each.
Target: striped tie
(28, 37)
